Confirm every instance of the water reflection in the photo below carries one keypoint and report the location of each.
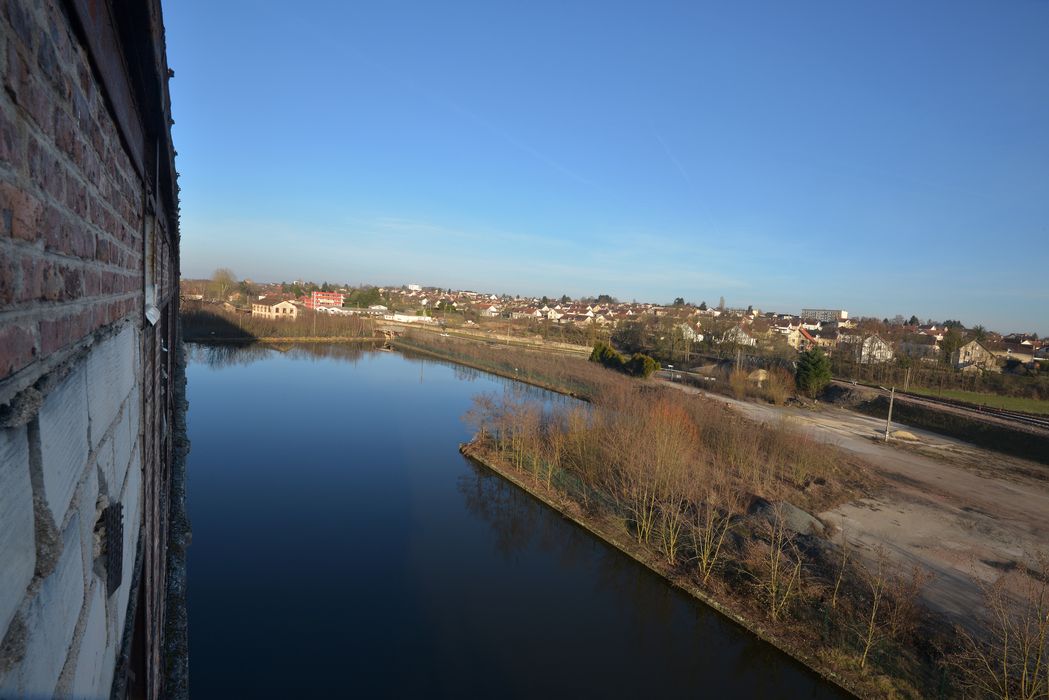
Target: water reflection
(218, 356)
(727, 661)
(342, 545)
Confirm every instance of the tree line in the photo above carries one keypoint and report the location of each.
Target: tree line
(208, 323)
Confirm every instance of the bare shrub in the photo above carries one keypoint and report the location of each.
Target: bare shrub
(1008, 657)
(775, 565)
(738, 383)
(712, 522)
(779, 386)
(842, 566)
(871, 628)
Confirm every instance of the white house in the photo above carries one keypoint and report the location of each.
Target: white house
(872, 350)
(274, 308)
(690, 333)
(974, 356)
(737, 335)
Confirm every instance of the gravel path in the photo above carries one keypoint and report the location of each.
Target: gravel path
(959, 510)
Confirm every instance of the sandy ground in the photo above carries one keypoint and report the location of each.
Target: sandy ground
(958, 510)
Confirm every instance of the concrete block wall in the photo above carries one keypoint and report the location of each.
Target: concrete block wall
(88, 224)
(80, 453)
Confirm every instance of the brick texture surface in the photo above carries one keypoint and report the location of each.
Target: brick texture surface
(73, 212)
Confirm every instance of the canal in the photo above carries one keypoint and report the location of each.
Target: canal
(343, 547)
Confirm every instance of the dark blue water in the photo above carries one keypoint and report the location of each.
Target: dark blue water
(343, 547)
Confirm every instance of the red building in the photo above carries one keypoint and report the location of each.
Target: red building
(318, 299)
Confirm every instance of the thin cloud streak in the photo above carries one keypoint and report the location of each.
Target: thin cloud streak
(673, 159)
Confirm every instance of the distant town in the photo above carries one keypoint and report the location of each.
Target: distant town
(679, 324)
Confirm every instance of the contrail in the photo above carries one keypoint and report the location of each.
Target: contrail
(673, 160)
(538, 155)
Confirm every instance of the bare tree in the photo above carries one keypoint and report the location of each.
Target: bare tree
(776, 567)
(842, 566)
(871, 631)
(713, 522)
(1009, 656)
(222, 283)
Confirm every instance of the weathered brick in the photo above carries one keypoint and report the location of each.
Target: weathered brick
(9, 287)
(48, 280)
(27, 90)
(55, 334)
(82, 242)
(64, 131)
(47, 61)
(56, 230)
(16, 75)
(20, 212)
(64, 440)
(17, 550)
(66, 236)
(92, 282)
(17, 347)
(102, 249)
(72, 279)
(12, 141)
(21, 23)
(45, 169)
(32, 273)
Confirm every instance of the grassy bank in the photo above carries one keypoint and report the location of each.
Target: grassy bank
(573, 376)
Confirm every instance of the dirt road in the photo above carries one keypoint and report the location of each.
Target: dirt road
(956, 509)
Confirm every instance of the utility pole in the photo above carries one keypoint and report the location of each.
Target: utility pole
(888, 421)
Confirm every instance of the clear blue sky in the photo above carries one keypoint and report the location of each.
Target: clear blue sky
(884, 157)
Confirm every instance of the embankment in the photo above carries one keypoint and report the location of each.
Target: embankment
(609, 533)
(571, 376)
(988, 433)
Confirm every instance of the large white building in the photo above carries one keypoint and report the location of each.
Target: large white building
(826, 315)
(268, 307)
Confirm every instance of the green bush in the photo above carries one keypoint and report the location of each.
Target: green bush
(637, 365)
(813, 372)
(641, 366)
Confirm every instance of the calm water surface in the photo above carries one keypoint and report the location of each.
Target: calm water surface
(343, 547)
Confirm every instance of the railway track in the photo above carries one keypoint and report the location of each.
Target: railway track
(1030, 419)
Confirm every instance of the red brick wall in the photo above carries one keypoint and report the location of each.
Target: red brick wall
(71, 204)
(81, 189)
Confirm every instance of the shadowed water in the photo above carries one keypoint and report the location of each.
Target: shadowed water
(343, 547)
